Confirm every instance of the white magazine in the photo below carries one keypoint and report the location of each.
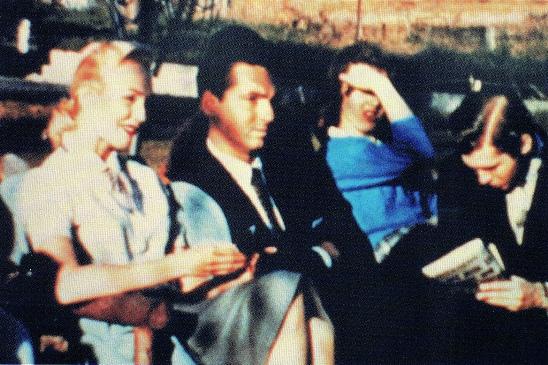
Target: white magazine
(471, 263)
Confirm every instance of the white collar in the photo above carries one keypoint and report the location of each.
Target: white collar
(238, 169)
(337, 132)
(519, 200)
(534, 167)
(86, 158)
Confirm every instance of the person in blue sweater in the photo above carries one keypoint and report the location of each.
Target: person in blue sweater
(376, 149)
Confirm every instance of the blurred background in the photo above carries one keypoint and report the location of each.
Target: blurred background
(438, 50)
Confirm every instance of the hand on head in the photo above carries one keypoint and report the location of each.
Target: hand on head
(365, 77)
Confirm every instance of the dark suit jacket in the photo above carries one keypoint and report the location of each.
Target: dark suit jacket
(312, 209)
(300, 183)
(484, 333)
(6, 232)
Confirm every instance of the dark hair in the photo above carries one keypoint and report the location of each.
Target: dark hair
(361, 52)
(511, 117)
(144, 56)
(226, 47)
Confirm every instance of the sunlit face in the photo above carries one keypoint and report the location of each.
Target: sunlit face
(242, 115)
(492, 166)
(121, 107)
(360, 109)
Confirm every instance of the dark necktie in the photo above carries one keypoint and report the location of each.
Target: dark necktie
(258, 182)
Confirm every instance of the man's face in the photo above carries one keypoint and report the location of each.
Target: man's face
(492, 166)
(360, 108)
(242, 115)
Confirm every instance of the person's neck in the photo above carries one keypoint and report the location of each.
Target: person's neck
(522, 170)
(81, 142)
(349, 127)
(226, 146)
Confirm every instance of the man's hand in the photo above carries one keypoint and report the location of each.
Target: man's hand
(514, 295)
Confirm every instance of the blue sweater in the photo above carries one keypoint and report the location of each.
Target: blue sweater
(368, 174)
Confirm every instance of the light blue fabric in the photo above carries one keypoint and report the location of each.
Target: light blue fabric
(201, 219)
(9, 192)
(368, 173)
(15, 347)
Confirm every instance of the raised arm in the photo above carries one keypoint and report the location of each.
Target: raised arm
(407, 129)
(368, 78)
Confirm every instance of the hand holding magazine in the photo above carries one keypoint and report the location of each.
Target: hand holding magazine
(467, 265)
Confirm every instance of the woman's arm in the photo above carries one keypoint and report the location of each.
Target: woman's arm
(76, 283)
(366, 77)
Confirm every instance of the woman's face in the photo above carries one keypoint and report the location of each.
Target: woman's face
(120, 108)
(360, 106)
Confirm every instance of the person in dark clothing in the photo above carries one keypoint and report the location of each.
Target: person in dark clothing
(505, 320)
(229, 146)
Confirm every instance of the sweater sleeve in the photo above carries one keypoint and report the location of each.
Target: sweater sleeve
(409, 134)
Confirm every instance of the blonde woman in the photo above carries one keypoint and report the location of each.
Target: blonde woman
(104, 221)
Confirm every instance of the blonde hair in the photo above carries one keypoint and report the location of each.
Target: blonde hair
(99, 61)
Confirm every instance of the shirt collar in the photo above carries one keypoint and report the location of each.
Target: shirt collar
(532, 173)
(530, 179)
(238, 169)
(336, 132)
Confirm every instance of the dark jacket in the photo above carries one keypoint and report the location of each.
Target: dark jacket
(312, 208)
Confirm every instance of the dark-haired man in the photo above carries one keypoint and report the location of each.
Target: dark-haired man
(504, 146)
(505, 150)
(269, 196)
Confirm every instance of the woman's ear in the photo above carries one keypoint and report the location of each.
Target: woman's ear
(209, 103)
(344, 87)
(87, 94)
(526, 144)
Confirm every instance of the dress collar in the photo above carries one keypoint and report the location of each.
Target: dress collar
(87, 159)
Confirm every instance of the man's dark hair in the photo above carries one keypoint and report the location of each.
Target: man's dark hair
(512, 119)
(226, 47)
(361, 52)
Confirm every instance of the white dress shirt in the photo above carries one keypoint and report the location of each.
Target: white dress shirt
(240, 171)
(519, 200)
(72, 192)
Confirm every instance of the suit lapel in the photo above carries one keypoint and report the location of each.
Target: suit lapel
(247, 229)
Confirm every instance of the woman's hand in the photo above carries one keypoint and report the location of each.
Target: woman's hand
(245, 277)
(373, 80)
(366, 78)
(210, 260)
